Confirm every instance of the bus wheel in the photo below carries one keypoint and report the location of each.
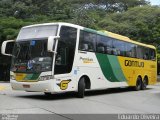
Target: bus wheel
(138, 84)
(144, 83)
(81, 88)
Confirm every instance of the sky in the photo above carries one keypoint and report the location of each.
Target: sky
(155, 2)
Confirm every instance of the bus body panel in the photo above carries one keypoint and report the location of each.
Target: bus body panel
(132, 68)
(40, 86)
(89, 65)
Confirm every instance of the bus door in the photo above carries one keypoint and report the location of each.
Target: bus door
(64, 59)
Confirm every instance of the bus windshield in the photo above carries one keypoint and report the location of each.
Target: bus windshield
(30, 51)
(31, 56)
(37, 32)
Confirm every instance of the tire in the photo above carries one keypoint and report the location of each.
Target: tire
(81, 88)
(48, 94)
(144, 84)
(138, 84)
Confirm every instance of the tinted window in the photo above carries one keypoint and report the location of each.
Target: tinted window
(118, 47)
(104, 44)
(146, 53)
(31, 56)
(65, 50)
(43, 31)
(87, 41)
(130, 50)
(139, 52)
(152, 54)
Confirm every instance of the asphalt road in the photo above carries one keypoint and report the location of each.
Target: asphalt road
(109, 101)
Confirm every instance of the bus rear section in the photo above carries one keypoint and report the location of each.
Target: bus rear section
(116, 60)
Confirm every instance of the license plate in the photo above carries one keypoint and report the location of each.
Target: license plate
(26, 86)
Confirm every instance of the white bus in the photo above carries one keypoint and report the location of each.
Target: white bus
(62, 57)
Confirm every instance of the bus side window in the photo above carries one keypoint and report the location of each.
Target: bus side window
(104, 44)
(109, 50)
(152, 54)
(139, 52)
(145, 56)
(84, 47)
(114, 51)
(100, 44)
(118, 47)
(87, 41)
(145, 52)
(100, 49)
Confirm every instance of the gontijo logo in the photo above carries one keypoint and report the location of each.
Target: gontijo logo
(64, 84)
(133, 63)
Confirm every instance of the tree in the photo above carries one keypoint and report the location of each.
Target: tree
(138, 23)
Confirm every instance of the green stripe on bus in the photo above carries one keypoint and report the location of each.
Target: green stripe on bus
(28, 77)
(35, 76)
(32, 76)
(110, 67)
(101, 33)
(117, 70)
(90, 30)
(106, 67)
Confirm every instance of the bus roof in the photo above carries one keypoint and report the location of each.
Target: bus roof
(56, 23)
(101, 32)
(127, 39)
(119, 37)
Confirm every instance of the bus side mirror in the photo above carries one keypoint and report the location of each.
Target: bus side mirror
(7, 47)
(51, 43)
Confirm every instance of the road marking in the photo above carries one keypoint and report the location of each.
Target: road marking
(2, 88)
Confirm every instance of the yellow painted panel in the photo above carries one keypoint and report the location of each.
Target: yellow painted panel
(132, 68)
(20, 76)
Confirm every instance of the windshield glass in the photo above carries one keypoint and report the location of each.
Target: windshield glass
(43, 31)
(31, 56)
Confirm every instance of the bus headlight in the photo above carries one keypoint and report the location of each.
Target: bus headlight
(48, 77)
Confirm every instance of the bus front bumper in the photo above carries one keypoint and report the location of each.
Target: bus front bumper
(40, 86)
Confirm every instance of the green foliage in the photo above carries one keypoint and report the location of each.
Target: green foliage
(9, 27)
(130, 18)
(136, 19)
(138, 23)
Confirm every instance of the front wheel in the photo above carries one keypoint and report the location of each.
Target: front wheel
(48, 94)
(81, 88)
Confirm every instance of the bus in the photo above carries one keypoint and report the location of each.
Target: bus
(62, 57)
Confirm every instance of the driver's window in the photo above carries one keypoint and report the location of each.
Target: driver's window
(61, 58)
